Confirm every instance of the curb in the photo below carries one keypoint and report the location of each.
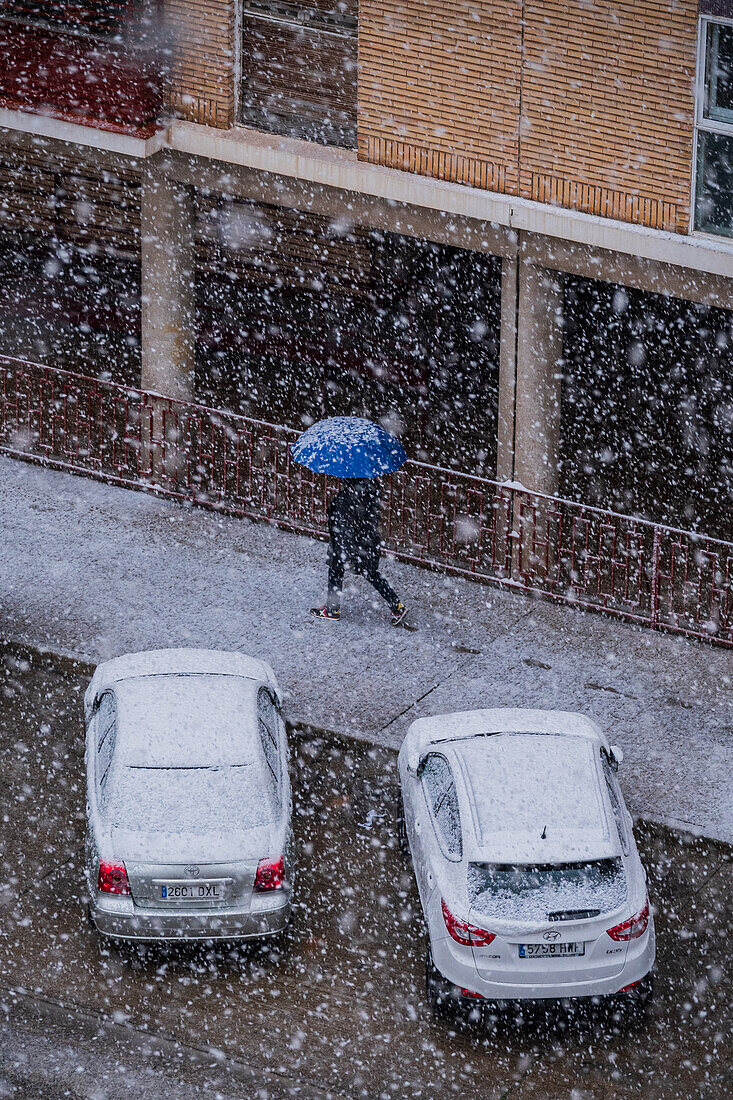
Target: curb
(76, 664)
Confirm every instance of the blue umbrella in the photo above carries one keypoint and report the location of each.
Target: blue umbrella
(348, 446)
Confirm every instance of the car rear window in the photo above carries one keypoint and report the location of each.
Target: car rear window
(563, 891)
(155, 800)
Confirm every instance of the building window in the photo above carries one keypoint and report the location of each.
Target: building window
(299, 68)
(97, 18)
(714, 116)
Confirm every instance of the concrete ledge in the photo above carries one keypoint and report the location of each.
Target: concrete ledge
(340, 168)
(91, 136)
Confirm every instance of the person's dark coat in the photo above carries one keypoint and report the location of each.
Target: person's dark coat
(353, 524)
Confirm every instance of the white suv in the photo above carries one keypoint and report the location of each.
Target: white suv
(528, 873)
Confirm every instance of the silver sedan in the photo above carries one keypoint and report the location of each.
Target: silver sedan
(188, 797)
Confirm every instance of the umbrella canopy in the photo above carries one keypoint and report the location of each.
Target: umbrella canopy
(348, 446)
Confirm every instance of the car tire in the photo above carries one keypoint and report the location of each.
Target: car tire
(644, 992)
(443, 996)
(402, 835)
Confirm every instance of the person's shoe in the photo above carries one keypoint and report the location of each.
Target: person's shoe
(398, 614)
(325, 613)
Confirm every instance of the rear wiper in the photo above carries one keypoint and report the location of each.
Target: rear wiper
(574, 914)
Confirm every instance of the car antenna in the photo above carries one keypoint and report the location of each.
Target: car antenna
(543, 835)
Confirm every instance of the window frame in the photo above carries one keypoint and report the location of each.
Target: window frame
(618, 808)
(451, 856)
(102, 777)
(273, 737)
(703, 125)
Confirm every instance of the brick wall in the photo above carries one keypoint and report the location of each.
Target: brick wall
(607, 104)
(605, 88)
(202, 54)
(439, 88)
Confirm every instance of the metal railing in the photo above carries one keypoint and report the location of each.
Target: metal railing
(493, 532)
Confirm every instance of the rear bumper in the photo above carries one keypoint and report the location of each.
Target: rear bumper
(119, 917)
(462, 972)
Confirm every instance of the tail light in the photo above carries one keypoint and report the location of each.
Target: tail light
(112, 878)
(632, 928)
(470, 993)
(631, 985)
(270, 875)
(463, 932)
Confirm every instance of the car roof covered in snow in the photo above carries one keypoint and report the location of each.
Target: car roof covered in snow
(533, 797)
(177, 662)
(192, 721)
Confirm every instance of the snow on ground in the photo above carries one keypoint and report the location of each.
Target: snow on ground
(97, 571)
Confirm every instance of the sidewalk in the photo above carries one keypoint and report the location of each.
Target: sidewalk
(95, 571)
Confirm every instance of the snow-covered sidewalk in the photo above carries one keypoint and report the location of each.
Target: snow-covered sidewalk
(95, 571)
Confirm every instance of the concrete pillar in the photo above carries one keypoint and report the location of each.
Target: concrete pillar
(507, 370)
(168, 322)
(538, 378)
(168, 308)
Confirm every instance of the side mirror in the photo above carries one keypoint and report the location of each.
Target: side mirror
(413, 765)
(616, 757)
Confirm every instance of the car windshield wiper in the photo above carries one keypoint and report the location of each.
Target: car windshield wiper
(184, 767)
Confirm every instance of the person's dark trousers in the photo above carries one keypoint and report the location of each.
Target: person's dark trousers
(336, 583)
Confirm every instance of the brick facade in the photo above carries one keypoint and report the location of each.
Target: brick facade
(202, 60)
(605, 89)
(607, 101)
(439, 88)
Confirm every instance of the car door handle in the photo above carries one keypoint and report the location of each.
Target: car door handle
(417, 825)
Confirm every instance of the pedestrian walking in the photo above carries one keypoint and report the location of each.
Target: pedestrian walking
(354, 541)
(358, 452)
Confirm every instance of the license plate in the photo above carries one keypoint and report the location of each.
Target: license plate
(550, 950)
(191, 891)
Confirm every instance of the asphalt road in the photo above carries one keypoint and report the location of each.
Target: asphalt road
(338, 1009)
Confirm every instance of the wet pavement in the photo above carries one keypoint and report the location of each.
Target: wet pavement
(337, 1007)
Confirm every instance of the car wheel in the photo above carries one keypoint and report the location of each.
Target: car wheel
(634, 1002)
(402, 835)
(442, 994)
(644, 991)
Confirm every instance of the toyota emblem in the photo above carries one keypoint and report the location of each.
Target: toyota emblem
(551, 936)
(192, 871)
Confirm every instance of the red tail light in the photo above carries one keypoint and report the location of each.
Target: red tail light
(112, 878)
(463, 932)
(270, 875)
(632, 928)
(631, 985)
(470, 993)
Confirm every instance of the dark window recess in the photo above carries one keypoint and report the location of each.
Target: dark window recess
(301, 317)
(70, 267)
(299, 70)
(714, 191)
(714, 183)
(647, 406)
(100, 18)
